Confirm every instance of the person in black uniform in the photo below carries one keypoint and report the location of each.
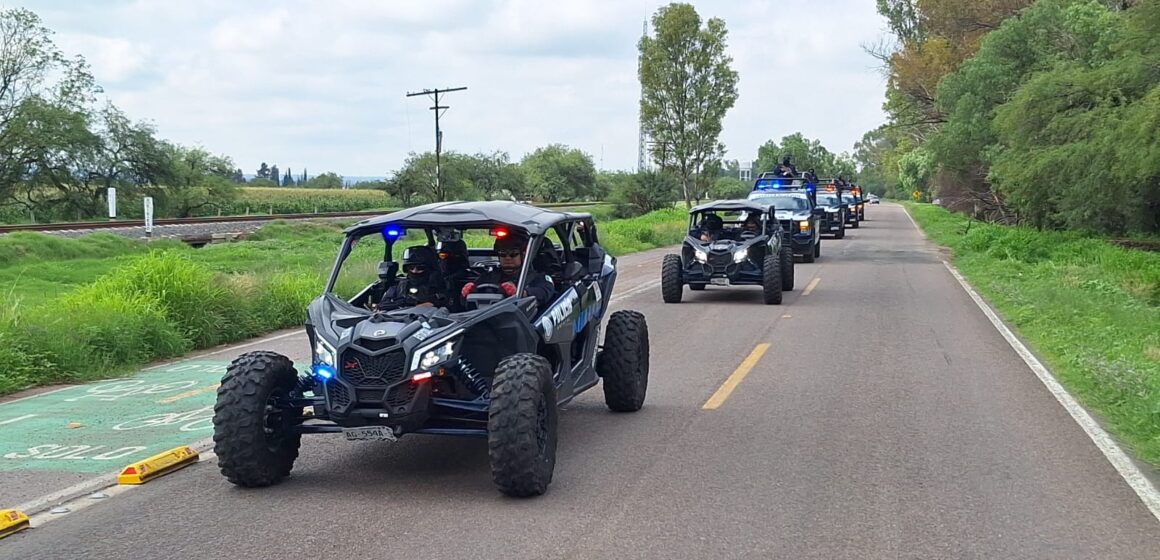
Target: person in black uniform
(510, 249)
(421, 287)
(710, 228)
(785, 169)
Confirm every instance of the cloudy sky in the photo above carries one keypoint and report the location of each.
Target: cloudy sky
(322, 84)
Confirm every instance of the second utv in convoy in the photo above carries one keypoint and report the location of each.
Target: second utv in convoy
(731, 243)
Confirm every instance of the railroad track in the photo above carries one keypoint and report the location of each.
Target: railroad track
(202, 230)
(112, 224)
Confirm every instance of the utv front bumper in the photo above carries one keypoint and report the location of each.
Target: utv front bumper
(720, 268)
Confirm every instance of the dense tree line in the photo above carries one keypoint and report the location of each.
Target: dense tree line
(61, 149)
(1044, 112)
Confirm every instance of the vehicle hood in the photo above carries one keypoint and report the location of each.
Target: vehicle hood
(342, 324)
(792, 215)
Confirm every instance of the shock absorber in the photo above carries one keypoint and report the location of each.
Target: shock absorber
(471, 377)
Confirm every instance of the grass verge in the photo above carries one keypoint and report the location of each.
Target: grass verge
(101, 306)
(1088, 308)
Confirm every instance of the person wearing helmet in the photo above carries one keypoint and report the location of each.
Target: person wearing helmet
(752, 224)
(510, 249)
(421, 287)
(710, 228)
(785, 169)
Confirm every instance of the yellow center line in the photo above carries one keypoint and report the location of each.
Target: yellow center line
(735, 378)
(190, 393)
(809, 289)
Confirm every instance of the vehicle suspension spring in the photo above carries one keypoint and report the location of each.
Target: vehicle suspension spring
(471, 377)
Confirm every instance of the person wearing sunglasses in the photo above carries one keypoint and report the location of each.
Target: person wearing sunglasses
(510, 250)
(421, 287)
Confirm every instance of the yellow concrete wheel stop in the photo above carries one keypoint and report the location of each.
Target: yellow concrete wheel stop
(12, 521)
(157, 465)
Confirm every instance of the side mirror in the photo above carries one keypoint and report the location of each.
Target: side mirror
(573, 271)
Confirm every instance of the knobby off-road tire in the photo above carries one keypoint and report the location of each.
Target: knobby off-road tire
(841, 231)
(856, 223)
(671, 284)
(521, 425)
(624, 362)
(771, 280)
(786, 268)
(255, 442)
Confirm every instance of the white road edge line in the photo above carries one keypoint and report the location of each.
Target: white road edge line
(1114, 454)
(1112, 451)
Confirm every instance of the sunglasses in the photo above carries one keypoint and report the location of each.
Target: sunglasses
(511, 253)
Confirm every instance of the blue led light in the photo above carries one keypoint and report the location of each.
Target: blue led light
(323, 372)
(393, 232)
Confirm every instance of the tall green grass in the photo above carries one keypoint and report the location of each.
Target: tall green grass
(1089, 308)
(71, 317)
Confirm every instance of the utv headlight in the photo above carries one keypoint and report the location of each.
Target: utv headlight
(804, 225)
(740, 255)
(437, 352)
(701, 256)
(324, 359)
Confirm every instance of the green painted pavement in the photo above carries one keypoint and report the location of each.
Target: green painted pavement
(103, 426)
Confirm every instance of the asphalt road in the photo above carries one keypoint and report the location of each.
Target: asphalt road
(887, 419)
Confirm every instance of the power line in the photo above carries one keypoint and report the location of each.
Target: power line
(439, 109)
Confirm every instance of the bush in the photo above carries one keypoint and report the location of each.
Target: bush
(634, 194)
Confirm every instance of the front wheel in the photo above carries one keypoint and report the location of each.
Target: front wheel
(521, 425)
(771, 280)
(624, 361)
(254, 429)
(671, 284)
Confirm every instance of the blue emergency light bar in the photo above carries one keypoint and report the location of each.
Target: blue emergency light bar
(782, 184)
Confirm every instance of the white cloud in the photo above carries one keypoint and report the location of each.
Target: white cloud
(323, 85)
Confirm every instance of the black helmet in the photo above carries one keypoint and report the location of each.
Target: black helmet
(420, 255)
(785, 159)
(712, 222)
(512, 240)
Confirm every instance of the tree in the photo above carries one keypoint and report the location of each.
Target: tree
(197, 180)
(328, 180)
(275, 176)
(634, 194)
(45, 108)
(264, 171)
(288, 179)
(496, 176)
(556, 173)
(687, 86)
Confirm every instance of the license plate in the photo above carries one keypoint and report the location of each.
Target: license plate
(719, 281)
(370, 433)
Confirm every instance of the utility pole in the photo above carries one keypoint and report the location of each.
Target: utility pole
(438, 133)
